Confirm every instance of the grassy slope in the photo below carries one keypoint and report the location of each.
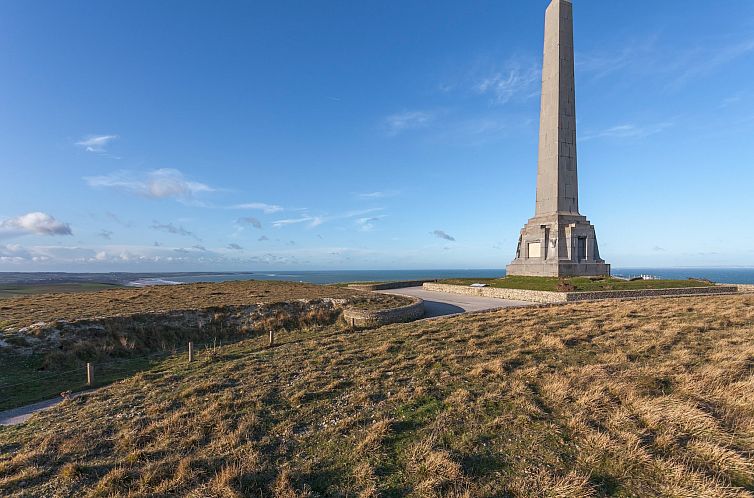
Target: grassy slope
(25, 311)
(19, 290)
(27, 379)
(640, 398)
(581, 284)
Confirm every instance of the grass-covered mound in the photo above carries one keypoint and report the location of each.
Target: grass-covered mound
(122, 331)
(576, 284)
(639, 398)
(24, 311)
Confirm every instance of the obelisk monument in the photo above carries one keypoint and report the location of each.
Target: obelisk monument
(558, 241)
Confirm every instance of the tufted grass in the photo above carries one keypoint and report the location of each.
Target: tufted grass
(633, 398)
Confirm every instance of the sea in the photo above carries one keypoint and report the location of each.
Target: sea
(719, 275)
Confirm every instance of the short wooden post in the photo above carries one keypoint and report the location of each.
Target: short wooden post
(353, 324)
(89, 374)
(191, 351)
(272, 338)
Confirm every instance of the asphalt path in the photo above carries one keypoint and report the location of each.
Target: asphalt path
(438, 304)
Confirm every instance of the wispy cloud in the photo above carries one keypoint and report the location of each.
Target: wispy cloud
(163, 183)
(35, 223)
(250, 220)
(515, 81)
(701, 61)
(315, 221)
(675, 66)
(407, 120)
(380, 194)
(173, 229)
(96, 143)
(263, 238)
(311, 221)
(260, 206)
(235, 247)
(367, 224)
(117, 219)
(105, 234)
(441, 234)
(629, 130)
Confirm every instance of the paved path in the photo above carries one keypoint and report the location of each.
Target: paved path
(22, 414)
(444, 303)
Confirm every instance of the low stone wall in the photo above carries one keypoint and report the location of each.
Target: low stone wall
(688, 291)
(747, 288)
(570, 297)
(390, 285)
(511, 294)
(375, 318)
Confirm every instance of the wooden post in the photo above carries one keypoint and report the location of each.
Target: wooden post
(89, 374)
(272, 338)
(191, 351)
(353, 324)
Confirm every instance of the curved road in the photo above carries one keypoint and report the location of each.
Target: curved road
(443, 303)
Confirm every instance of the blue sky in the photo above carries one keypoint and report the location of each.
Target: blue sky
(180, 135)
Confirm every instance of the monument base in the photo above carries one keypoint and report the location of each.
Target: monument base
(558, 245)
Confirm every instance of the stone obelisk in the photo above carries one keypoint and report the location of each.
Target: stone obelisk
(558, 241)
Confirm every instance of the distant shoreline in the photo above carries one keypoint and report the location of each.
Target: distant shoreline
(728, 275)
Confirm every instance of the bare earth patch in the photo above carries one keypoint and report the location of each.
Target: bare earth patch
(636, 398)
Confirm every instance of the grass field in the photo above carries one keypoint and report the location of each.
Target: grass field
(636, 398)
(19, 290)
(580, 284)
(24, 311)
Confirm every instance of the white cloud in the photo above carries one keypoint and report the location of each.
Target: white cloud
(312, 221)
(260, 206)
(315, 221)
(162, 183)
(407, 120)
(36, 223)
(96, 143)
(235, 247)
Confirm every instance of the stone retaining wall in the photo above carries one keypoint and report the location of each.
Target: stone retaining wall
(389, 285)
(569, 297)
(375, 318)
(747, 288)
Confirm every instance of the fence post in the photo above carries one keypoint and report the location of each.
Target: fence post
(89, 374)
(272, 338)
(191, 351)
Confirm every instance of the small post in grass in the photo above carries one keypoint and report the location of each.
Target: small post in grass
(191, 351)
(272, 338)
(89, 374)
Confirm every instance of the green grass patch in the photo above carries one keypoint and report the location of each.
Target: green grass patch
(580, 284)
(23, 381)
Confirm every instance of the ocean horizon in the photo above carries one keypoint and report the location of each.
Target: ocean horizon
(719, 275)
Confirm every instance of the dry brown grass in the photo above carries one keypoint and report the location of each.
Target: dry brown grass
(639, 398)
(24, 311)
